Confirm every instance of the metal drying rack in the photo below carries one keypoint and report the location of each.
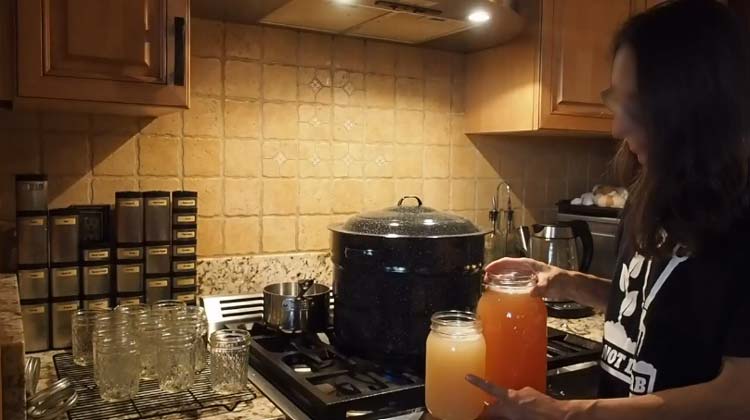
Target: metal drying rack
(150, 401)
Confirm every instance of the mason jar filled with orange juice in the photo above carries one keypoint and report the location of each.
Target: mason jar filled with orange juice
(455, 348)
(515, 331)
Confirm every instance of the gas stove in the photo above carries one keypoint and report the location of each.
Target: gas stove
(308, 377)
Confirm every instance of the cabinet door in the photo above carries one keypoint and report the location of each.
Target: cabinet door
(121, 51)
(576, 61)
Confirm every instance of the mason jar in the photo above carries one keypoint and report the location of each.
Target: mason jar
(229, 359)
(116, 364)
(149, 334)
(176, 359)
(82, 330)
(196, 317)
(455, 348)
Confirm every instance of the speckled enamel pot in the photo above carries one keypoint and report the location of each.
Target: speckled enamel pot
(394, 268)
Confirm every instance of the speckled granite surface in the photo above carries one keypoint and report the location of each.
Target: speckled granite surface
(249, 274)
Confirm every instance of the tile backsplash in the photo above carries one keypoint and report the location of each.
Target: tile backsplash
(290, 131)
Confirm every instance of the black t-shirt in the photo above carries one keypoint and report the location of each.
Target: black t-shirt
(673, 329)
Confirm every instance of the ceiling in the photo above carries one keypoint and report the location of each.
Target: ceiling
(440, 24)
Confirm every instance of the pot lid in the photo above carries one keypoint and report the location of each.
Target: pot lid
(404, 220)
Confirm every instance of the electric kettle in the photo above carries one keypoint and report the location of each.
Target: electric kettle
(555, 244)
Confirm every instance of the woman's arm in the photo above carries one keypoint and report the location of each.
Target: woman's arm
(724, 398)
(558, 284)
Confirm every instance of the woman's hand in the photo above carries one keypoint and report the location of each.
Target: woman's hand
(550, 279)
(524, 404)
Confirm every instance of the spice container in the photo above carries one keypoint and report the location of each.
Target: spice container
(184, 250)
(185, 234)
(185, 201)
(35, 326)
(157, 216)
(60, 316)
(184, 219)
(129, 277)
(32, 237)
(229, 360)
(129, 298)
(97, 279)
(184, 280)
(455, 348)
(101, 303)
(183, 265)
(158, 258)
(31, 192)
(96, 252)
(185, 296)
(33, 282)
(157, 288)
(63, 236)
(129, 252)
(129, 215)
(65, 281)
(93, 222)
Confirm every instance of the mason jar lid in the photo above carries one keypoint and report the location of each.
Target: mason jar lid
(403, 220)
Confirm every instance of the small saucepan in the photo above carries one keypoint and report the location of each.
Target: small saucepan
(293, 307)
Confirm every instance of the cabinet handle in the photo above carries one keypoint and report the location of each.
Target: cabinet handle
(179, 51)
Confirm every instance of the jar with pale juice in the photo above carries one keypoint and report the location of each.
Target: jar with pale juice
(515, 331)
(455, 348)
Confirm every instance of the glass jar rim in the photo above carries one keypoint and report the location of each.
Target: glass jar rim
(456, 323)
(512, 279)
(229, 337)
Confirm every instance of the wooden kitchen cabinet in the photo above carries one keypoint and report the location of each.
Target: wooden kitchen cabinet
(114, 56)
(549, 79)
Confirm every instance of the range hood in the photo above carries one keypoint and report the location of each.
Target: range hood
(441, 24)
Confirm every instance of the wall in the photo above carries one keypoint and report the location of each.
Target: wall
(290, 131)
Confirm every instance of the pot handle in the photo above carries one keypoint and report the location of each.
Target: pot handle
(419, 200)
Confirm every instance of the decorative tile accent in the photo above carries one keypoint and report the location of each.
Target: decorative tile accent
(348, 123)
(348, 88)
(314, 122)
(315, 159)
(314, 85)
(280, 158)
(347, 159)
(379, 162)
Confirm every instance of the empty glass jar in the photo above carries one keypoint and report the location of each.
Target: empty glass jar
(82, 329)
(176, 358)
(149, 334)
(196, 316)
(116, 363)
(168, 310)
(229, 359)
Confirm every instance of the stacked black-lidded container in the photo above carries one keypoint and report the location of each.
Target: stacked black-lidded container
(157, 234)
(65, 273)
(96, 256)
(184, 245)
(33, 259)
(129, 249)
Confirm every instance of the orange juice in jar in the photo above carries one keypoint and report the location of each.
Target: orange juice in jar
(515, 331)
(455, 348)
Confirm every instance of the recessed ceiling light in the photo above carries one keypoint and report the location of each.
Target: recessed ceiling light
(479, 16)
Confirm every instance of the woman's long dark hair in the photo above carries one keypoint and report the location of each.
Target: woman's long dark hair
(693, 78)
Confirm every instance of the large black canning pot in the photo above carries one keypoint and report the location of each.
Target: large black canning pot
(393, 269)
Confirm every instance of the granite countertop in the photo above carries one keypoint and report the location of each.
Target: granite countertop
(263, 409)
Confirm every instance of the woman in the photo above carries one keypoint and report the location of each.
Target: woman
(677, 330)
